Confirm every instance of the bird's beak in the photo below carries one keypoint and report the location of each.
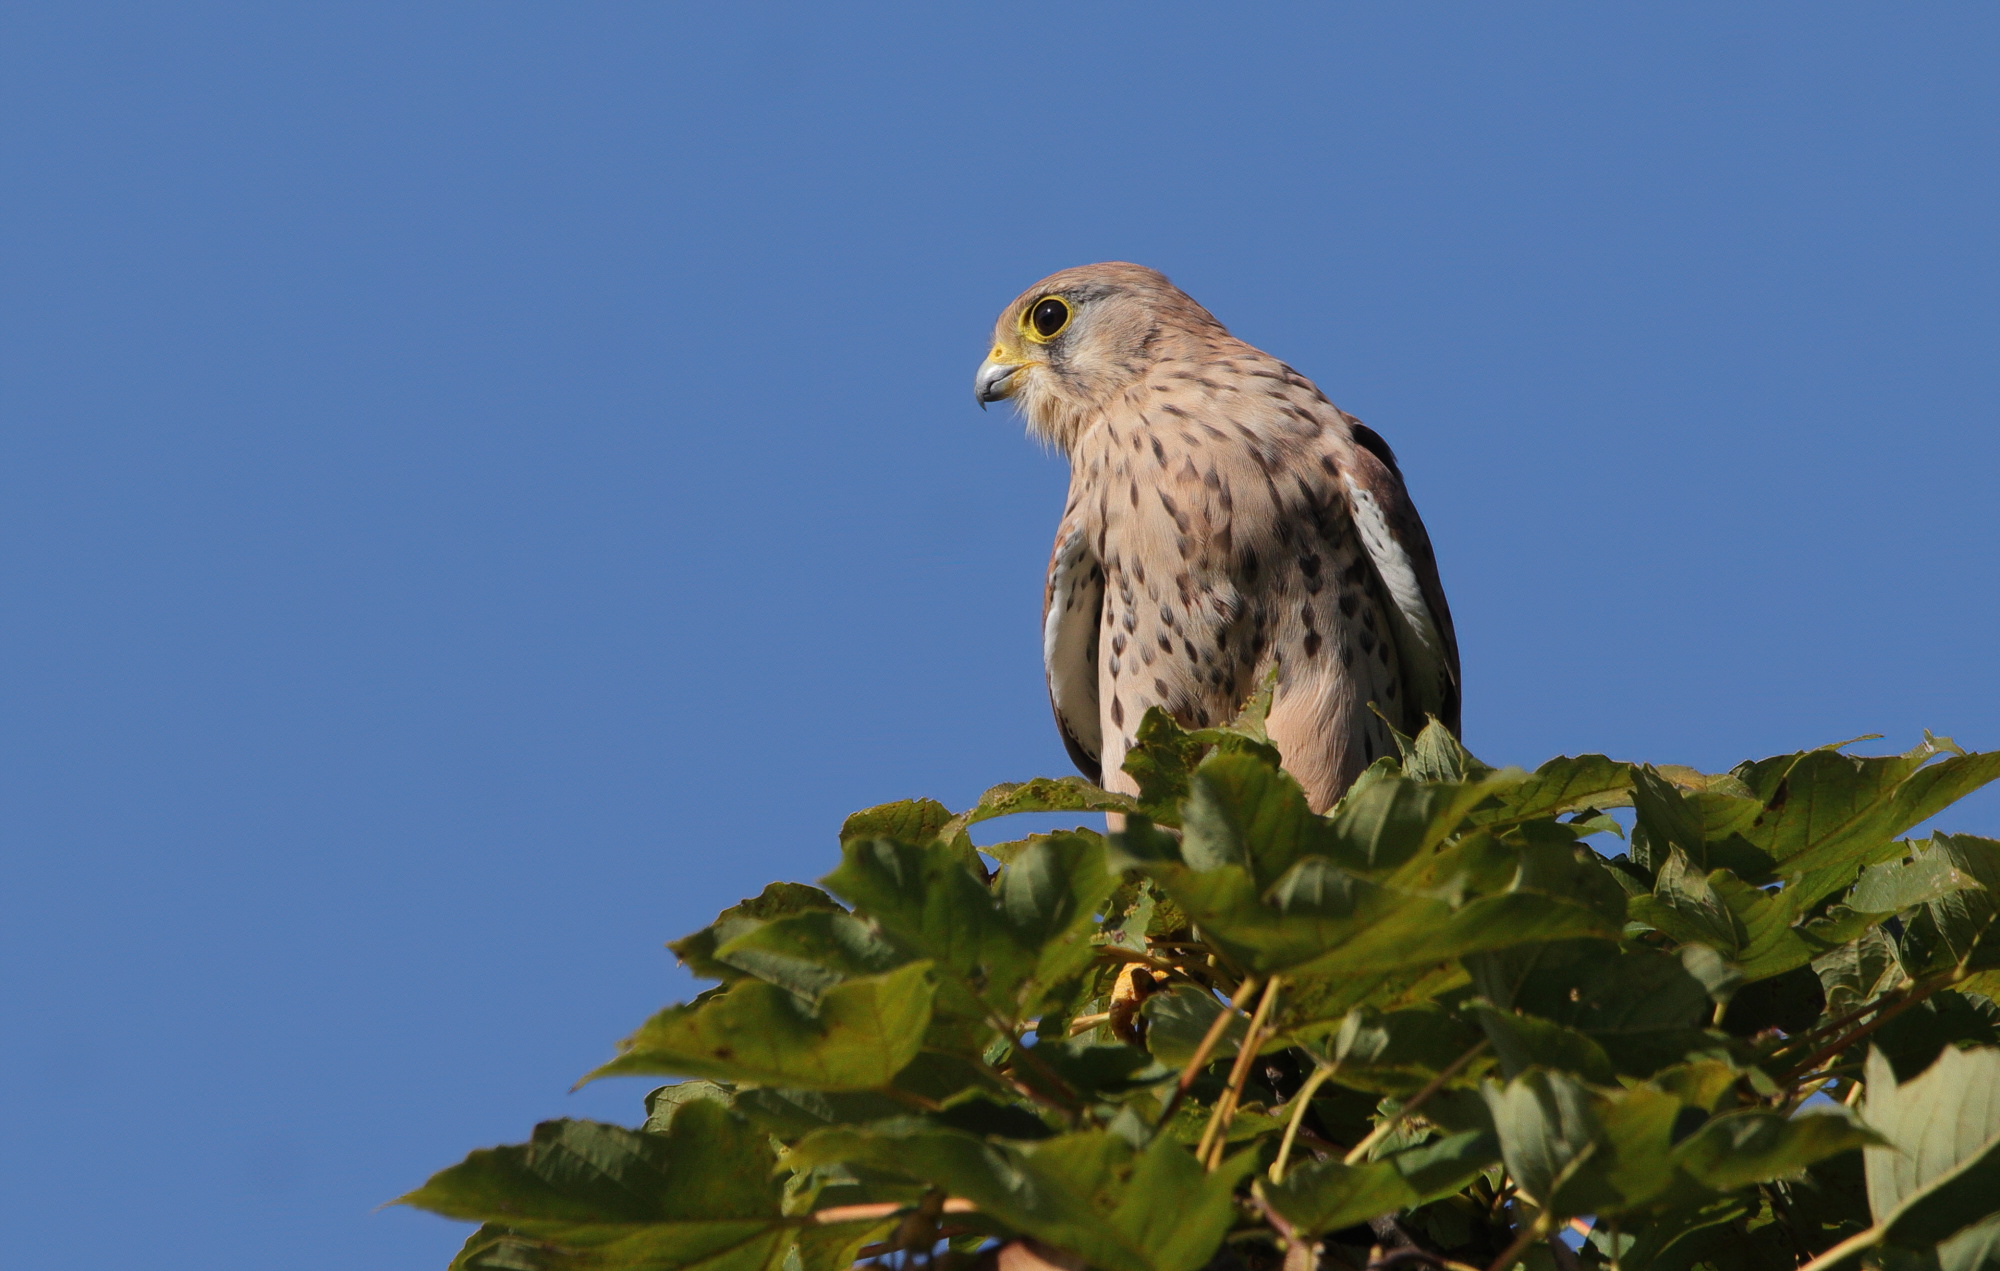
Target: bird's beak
(995, 380)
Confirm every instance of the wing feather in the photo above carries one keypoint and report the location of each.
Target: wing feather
(1400, 550)
(1072, 605)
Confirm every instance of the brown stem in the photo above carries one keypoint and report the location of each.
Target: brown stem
(1917, 993)
(1217, 1134)
(1833, 1026)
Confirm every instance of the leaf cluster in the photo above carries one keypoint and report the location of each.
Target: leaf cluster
(1455, 1018)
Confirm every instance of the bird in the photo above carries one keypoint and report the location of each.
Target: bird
(1226, 526)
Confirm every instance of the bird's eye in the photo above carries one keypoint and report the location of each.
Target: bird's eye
(1048, 317)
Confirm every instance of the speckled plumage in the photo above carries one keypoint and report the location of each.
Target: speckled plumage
(1223, 518)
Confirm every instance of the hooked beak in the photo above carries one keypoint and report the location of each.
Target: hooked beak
(995, 381)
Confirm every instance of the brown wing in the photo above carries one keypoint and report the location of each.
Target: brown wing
(1400, 550)
(1072, 603)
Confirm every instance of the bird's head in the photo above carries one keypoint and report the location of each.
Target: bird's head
(1068, 344)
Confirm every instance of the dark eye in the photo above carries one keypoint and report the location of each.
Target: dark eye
(1049, 316)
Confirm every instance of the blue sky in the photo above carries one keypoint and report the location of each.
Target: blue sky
(484, 486)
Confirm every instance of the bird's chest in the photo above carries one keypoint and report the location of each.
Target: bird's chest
(1225, 553)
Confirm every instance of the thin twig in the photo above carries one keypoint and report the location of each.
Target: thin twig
(1380, 1132)
(1066, 1099)
(1845, 1249)
(1533, 1231)
(1216, 1135)
(1917, 994)
(1216, 1028)
(1530, 1232)
(1304, 1101)
(883, 1209)
(1410, 1253)
(1834, 1026)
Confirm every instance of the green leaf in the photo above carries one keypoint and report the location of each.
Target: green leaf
(664, 1102)
(778, 900)
(1177, 1020)
(1562, 785)
(1098, 1071)
(1243, 811)
(1632, 1168)
(1643, 1007)
(1977, 1248)
(1939, 1170)
(1548, 1132)
(1048, 895)
(580, 1193)
(1703, 824)
(1437, 755)
(1163, 754)
(1858, 972)
(1686, 907)
(1323, 921)
(1322, 1196)
(1522, 1041)
(1675, 1240)
(1398, 1052)
(1756, 1146)
(1913, 1040)
(1089, 1193)
(1006, 852)
(1956, 929)
(1926, 876)
(906, 821)
(809, 953)
(1385, 820)
(998, 949)
(1824, 808)
(1041, 794)
(1745, 924)
(1573, 1151)
(862, 1033)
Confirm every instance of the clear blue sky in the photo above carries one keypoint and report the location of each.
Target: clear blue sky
(483, 486)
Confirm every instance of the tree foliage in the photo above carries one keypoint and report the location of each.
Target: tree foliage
(1451, 1021)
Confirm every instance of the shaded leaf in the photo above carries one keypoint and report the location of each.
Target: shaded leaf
(1178, 1019)
(1398, 1052)
(1089, 1193)
(1521, 1042)
(1754, 1146)
(1547, 1131)
(1642, 1006)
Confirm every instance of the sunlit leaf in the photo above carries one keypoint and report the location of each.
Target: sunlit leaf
(1939, 1169)
(857, 1037)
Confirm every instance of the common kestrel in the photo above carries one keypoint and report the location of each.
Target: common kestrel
(1224, 519)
